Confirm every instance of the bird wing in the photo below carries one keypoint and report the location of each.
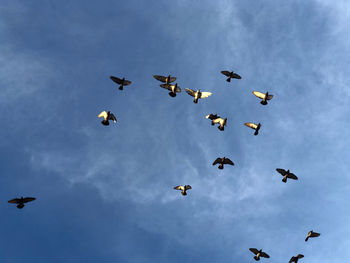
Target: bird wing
(188, 187)
(264, 255)
(178, 89)
(254, 250)
(217, 120)
(205, 94)
(281, 171)
(172, 79)
(251, 125)
(179, 187)
(314, 234)
(160, 78)
(190, 92)
(165, 86)
(300, 256)
(112, 117)
(292, 176)
(103, 114)
(126, 82)
(218, 160)
(259, 94)
(14, 201)
(236, 76)
(226, 73)
(116, 80)
(269, 97)
(28, 199)
(228, 161)
(212, 116)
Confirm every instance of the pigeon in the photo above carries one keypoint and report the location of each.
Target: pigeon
(215, 119)
(122, 82)
(286, 174)
(296, 258)
(197, 94)
(311, 234)
(107, 116)
(20, 201)
(183, 188)
(222, 161)
(166, 80)
(259, 253)
(254, 126)
(264, 96)
(173, 89)
(230, 75)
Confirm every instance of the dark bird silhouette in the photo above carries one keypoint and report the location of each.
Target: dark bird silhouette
(254, 126)
(183, 188)
(173, 89)
(106, 117)
(259, 253)
(311, 234)
(166, 80)
(122, 82)
(197, 94)
(264, 96)
(21, 201)
(222, 161)
(286, 174)
(215, 119)
(230, 75)
(296, 258)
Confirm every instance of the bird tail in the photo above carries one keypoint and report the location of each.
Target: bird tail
(257, 258)
(284, 180)
(183, 193)
(256, 133)
(221, 128)
(306, 239)
(263, 102)
(105, 122)
(228, 79)
(195, 101)
(221, 166)
(172, 94)
(121, 87)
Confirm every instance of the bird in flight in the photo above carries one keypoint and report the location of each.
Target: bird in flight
(230, 75)
(122, 82)
(197, 94)
(254, 126)
(286, 174)
(166, 80)
(106, 117)
(264, 96)
(215, 119)
(258, 254)
(21, 201)
(296, 258)
(173, 89)
(222, 161)
(183, 188)
(311, 234)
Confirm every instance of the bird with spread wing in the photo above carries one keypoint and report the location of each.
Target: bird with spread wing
(215, 119)
(254, 126)
(296, 258)
(183, 188)
(166, 80)
(222, 161)
(197, 94)
(122, 82)
(311, 234)
(258, 254)
(21, 201)
(264, 96)
(173, 89)
(107, 116)
(230, 75)
(286, 174)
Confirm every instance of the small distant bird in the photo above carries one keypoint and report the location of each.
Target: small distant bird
(173, 89)
(230, 75)
(254, 126)
(21, 201)
(311, 234)
(215, 119)
(166, 80)
(264, 96)
(122, 82)
(106, 117)
(197, 94)
(286, 174)
(296, 258)
(222, 161)
(183, 188)
(259, 253)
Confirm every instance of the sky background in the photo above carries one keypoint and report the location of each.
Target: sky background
(105, 194)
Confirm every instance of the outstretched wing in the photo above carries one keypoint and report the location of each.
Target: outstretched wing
(172, 79)
(254, 250)
(264, 255)
(112, 117)
(228, 161)
(259, 94)
(14, 201)
(179, 187)
(103, 114)
(281, 171)
(218, 160)
(212, 116)
(269, 97)
(116, 80)
(160, 78)
(292, 176)
(205, 94)
(236, 76)
(300, 256)
(314, 234)
(28, 199)
(165, 86)
(251, 125)
(190, 92)
(126, 82)
(226, 73)
(188, 187)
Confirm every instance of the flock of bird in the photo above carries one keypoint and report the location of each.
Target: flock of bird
(215, 119)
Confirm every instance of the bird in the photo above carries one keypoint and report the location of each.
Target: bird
(215, 119)
(173, 89)
(286, 174)
(222, 161)
(166, 80)
(122, 82)
(311, 234)
(197, 94)
(21, 201)
(183, 188)
(264, 96)
(296, 258)
(107, 116)
(230, 75)
(259, 253)
(254, 126)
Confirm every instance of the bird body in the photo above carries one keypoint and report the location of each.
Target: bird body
(222, 161)
(21, 201)
(286, 174)
(254, 126)
(230, 75)
(183, 188)
(197, 94)
(107, 115)
(122, 82)
(173, 89)
(264, 96)
(311, 234)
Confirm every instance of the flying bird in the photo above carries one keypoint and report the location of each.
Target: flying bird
(197, 94)
(166, 80)
(21, 201)
(296, 258)
(215, 119)
(264, 96)
(286, 174)
(311, 234)
(259, 253)
(230, 75)
(122, 82)
(173, 89)
(106, 117)
(183, 188)
(222, 161)
(254, 126)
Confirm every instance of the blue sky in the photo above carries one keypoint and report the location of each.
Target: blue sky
(104, 194)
